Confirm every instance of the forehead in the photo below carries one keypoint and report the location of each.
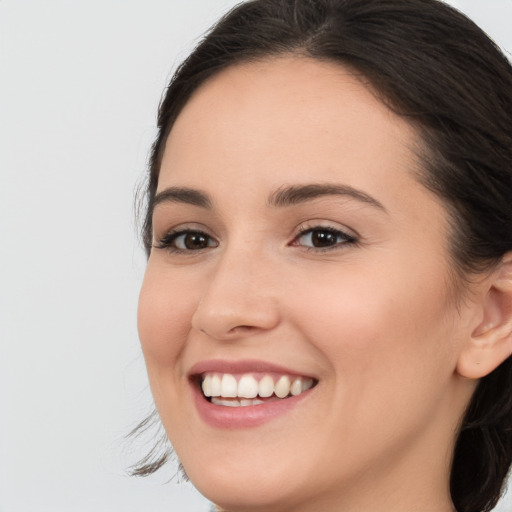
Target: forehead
(287, 119)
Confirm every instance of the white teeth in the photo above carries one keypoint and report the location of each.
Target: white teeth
(296, 387)
(282, 387)
(225, 403)
(229, 387)
(266, 387)
(248, 387)
(244, 403)
(206, 385)
(236, 403)
(215, 385)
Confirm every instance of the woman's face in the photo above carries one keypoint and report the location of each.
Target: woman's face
(293, 241)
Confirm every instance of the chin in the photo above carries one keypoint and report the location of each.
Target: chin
(248, 484)
(249, 493)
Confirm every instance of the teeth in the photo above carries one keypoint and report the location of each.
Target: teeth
(215, 385)
(236, 403)
(226, 403)
(248, 388)
(266, 386)
(244, 403)
(296, 387)
(282, 387)
(206, 385)
(228, 386)
(307, 384)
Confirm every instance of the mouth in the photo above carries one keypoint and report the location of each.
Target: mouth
(243, 394)
(251, 389)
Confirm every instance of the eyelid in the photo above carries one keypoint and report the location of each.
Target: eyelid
(349, 236)
(165, 241)
(314, 224)
(181, 227)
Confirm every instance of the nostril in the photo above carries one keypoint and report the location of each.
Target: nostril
(220, 333)
(242, 329)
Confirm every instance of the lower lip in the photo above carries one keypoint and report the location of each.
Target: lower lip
(243, 417)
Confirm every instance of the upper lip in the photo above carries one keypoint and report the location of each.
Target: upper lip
(243, 366)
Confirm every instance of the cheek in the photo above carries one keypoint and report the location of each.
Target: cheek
(164, 315)
(389, 352)
(371, 324)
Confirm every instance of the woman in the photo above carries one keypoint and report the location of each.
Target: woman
(326, 315)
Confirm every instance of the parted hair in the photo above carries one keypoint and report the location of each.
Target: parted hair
(432, 65)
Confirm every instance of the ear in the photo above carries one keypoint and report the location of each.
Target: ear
(490, 342)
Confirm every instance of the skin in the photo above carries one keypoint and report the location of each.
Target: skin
(375, 321)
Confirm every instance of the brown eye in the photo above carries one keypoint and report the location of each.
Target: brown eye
(186, 240)
(323, 238)
(192, 241)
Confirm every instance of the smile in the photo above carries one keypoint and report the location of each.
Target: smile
(231, 390)
(249, 393)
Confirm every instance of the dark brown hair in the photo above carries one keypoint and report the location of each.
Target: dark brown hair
(432, 65)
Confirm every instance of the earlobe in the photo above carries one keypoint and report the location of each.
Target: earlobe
(490, 342)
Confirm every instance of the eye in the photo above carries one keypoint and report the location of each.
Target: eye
(186, 240)
(323, 238)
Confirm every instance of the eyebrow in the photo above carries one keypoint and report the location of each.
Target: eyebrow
(182, 195)
(296, 194)
(284, 196)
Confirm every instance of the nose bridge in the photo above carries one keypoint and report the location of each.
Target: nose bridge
(239, 297)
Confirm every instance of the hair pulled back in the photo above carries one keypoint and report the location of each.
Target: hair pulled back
(434, 66)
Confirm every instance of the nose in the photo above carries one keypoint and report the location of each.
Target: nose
(239, 299)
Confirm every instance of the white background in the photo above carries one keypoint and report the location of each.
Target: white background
(80, 82)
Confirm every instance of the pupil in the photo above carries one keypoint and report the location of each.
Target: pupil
(323, 239)
(196, 241)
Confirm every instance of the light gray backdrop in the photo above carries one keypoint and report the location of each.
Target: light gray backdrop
(79, 87)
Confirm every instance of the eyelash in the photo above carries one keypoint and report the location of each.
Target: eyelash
(346, 239)
(168, 241)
